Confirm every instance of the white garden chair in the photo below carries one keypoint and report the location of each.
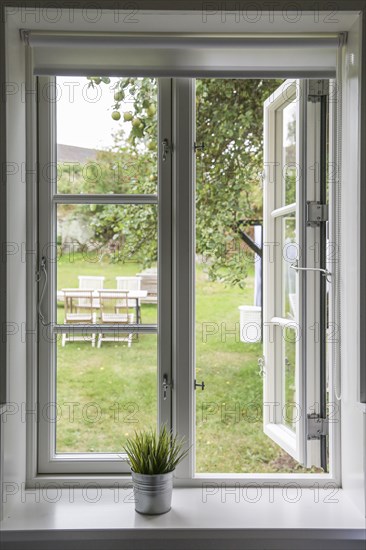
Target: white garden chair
(149, 282)
(112, 315)
(90, 282)
(74, 315)
(129, 283)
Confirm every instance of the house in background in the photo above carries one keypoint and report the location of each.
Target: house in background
(72, 153)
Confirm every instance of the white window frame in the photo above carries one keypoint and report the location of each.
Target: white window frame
(49, 461)
(183, 240)
(307, 317)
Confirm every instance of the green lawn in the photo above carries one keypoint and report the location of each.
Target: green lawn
(104, 394)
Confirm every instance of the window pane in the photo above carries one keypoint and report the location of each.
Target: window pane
(289, 167)
(104, 394)
(106, 135)
(229, 412)
(289, 408)
(106, 274)
(106, 247)
(289, 256)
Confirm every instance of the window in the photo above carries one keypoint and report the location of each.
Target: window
(294, 255)
(123, 335)
(100, 310)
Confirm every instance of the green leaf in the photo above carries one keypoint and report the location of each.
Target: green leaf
(151, 452)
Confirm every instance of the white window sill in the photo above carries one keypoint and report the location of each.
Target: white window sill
(226, 519)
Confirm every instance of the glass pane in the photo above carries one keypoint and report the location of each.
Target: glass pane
(290, 410)
(289, 167)
(289, 256)
(229, 412)
(106, 135)
(104, 394)
(105, 247)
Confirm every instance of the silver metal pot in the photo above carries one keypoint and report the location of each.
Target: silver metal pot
(153, 493)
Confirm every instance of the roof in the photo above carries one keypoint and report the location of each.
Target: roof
(71, 153)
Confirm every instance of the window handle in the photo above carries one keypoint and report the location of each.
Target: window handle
(324, 272)
(197, 147)
(197, 385)
(166, 386)
(42, 271)
(166, 148)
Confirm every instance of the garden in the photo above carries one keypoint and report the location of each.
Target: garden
(105, 393)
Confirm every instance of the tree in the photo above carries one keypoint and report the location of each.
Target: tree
(228, 178)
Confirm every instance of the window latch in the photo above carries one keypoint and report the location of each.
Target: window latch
(165, 149)
(197, 147)
(166, 386)
(324, 272)
(197, 385)
(42, 271)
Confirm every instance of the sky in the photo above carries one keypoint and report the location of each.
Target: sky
(84, 114)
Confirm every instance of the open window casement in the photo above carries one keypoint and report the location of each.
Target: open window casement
(293, 256)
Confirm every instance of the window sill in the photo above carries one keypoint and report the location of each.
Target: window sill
(274, 519)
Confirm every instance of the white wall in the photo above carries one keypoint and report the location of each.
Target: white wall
(14, 431)
(353, 429)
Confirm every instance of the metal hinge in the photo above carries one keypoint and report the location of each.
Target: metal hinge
(317, 426)
(317, 88)
(316, 213)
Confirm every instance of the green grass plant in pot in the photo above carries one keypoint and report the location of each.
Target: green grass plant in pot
(153, 458)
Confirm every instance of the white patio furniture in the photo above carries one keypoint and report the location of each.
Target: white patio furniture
(73, 315)
(91, 282)
(149, 282)
(129, 283)
(111, 314)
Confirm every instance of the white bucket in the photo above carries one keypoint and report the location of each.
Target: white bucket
(250, 324)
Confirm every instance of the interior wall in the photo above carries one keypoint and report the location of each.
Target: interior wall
(352, 412)
(3, 356)
(13, 425)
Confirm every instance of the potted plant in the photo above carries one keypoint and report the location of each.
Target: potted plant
(153, 458)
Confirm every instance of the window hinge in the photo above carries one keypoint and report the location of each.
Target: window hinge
(316, 213)
(317, 426)
(317, 89)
